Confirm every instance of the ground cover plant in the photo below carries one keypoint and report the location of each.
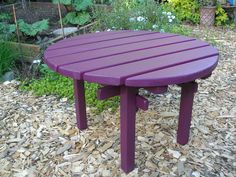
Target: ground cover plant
(7, 57)
(51, 83)
(78, 11)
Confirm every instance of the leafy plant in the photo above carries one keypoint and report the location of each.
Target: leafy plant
(78, 11)
(185, 10)
(221, 16)
(32, 29)
(7, 31)
(145, 15)
(52, 83)
(7, 57)
(77, 18)
(5, 17)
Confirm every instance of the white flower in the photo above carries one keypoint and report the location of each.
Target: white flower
(162, 30)
(170, 20)
(169, 16)
(97, 31)
(155, 26)
(164, 13)
(36, 61)
(132, 19)
(140, 19)
(108, 29)
(169, 13)
(173, 17)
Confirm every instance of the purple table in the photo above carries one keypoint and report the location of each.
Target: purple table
(123, 62)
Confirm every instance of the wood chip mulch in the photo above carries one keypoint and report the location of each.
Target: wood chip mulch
(38, 136)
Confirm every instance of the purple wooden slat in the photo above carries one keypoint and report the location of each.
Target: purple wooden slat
(85, 36)
(116, 75)
(107, 44)
(101, 53)
(77, 70)
(175, 75)
(90, 40)
(94, 35)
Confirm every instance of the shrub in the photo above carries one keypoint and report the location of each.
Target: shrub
(7, 31)
(32, 29)
(221, 16)
(186, 10)
(52, 83)
(133, 15)
(78, 11)
(7, 57)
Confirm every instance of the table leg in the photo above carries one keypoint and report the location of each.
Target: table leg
(127, 124)
(80, 104)
(185, 115)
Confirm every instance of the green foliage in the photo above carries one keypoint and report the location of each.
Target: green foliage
(32, 29)
(77, 18)
(185, 10)
(146, 15)
(78, 11)
(65, 2)
(7, 31)
(5, 17)
(52, 83)
(221, 16)
(83, 5)
(7, 57)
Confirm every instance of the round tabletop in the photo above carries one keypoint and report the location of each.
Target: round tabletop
(132, 58)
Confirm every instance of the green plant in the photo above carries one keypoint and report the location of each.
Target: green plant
(221, 16)
(78, 11)
(145, 15)
(7, 31)
(185, 10)
(52, 83)
(5, 17)
(32, 29)
(7, 57)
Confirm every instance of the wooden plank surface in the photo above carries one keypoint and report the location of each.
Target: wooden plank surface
(175, 75)
(106, 44)
(134, 58)
(179, 41)
(118, 74)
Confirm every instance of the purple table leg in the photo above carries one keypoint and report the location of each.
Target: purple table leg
(80, 104)
(185, 115)
(127, 135)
